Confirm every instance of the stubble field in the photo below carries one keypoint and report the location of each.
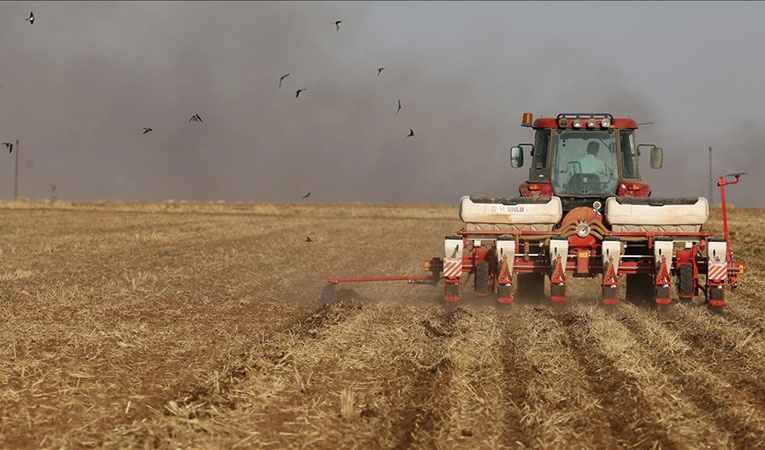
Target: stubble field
(198, 326)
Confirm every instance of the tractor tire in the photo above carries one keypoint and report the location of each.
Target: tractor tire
(685, 280)
(640, 289)
(530, 287)
(482, 277)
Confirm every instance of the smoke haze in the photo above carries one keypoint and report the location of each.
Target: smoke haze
(79, 85)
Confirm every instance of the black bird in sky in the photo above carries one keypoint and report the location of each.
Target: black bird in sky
(307, 195)
(9, 146)
(337, 24)
(146, 130)
(399, 107)
(31, 18)
(282, 78)
(411, 133)
(308, 239)
(379, 70)
(297, 93)
(195, 118)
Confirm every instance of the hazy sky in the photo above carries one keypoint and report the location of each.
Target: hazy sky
(79, 85)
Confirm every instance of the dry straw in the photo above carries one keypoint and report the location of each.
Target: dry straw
(196, 325)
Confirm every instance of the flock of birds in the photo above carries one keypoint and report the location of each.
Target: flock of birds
(198, 118)
(379, 71)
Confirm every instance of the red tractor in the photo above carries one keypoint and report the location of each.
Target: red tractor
(584, 212)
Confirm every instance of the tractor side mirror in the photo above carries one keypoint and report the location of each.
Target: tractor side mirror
(516, 157)
(657, 157)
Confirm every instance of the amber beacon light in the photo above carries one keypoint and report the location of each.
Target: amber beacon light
(527, 119)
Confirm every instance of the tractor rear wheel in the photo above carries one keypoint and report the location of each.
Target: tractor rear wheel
(530, 286)
(482, 277)
(685, 281)
(640, 289)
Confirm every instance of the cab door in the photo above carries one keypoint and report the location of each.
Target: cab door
(540, 162)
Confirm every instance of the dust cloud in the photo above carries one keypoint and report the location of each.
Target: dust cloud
(80, 84)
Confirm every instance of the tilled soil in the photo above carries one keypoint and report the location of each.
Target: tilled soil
(199, 326)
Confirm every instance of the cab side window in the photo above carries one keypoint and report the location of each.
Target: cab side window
(539, 170)
(629, 155)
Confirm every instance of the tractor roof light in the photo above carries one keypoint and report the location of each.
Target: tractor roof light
(577, 123)
(591, 122)
(605, 123)
(562, 122)
(527, 120)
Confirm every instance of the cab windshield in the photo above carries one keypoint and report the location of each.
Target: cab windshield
(585, 162)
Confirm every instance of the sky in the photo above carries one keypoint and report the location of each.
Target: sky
(78, 86)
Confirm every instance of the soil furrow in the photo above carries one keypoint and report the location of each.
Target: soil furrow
(208, 399)
(701, 380)
(425, 410)
(750, 321)
(641, 346)
(724, 344)
(629, 415)
(471, 414)
(558, 404)
(516, 376)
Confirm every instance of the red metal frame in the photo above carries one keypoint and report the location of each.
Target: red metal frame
(722, 183)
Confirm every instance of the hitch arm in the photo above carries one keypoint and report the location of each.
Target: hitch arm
(411, 279)
(434, 266)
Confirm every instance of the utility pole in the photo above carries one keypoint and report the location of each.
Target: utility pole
(711, 191)
(16, 176)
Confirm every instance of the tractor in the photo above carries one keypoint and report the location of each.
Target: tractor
(583, 212)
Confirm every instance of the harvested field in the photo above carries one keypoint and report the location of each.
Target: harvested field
(184, 325)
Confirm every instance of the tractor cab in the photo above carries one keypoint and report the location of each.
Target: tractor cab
(582, 158)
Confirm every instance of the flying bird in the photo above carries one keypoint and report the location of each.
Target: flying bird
(307, 195)
(308, 239)
(399, 107)
(31, 18)
(282, 78)
(196, 118)
(9, 146)
(379, 70)
(337, 24)
(411, 133)
(297, 93)
(146, 130)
